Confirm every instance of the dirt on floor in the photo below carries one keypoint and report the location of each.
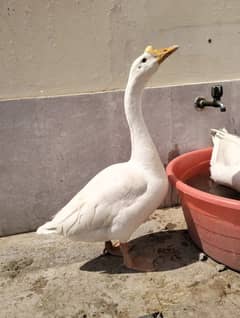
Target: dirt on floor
(49, 276)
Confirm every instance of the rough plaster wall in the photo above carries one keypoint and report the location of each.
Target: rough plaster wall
(51, 147)
(57, 47)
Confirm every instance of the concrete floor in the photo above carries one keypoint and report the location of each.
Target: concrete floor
(48, 276)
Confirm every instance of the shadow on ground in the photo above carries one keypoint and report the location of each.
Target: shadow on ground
(166, 250)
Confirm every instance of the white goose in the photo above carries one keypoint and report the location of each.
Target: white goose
(225, 160)
(121, 197)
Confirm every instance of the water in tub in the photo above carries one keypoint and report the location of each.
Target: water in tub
(204, 183)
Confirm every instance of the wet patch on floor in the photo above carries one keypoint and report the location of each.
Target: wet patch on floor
(15, 267)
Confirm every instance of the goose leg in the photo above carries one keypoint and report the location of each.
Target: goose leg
(112, 249)
(135, 262)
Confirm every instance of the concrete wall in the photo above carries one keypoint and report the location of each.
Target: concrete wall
(58, 47)
(50, 147)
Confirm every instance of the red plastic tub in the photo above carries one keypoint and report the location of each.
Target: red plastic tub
(213, 221)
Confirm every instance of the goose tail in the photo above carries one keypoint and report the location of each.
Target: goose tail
(47, 228)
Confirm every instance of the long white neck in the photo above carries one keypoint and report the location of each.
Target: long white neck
(143, 150)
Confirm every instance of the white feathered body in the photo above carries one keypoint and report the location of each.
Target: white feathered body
(111, 206)
(225, 160)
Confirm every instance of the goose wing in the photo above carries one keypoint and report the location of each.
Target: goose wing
(98, 207)
(225, 160)
(226, 148)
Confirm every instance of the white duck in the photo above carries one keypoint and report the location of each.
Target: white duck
(121, 197)
(225, 160)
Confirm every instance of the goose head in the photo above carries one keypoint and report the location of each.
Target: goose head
(147, 64)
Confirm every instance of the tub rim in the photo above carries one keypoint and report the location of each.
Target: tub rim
(193, 192)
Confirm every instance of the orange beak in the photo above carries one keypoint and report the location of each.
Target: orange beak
(161, 54)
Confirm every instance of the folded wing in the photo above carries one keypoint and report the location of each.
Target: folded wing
(94, 211)
(225, 160)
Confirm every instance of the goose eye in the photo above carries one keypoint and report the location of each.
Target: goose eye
(144, 60)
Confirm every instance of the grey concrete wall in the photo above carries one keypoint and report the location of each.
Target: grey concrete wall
(51, 147)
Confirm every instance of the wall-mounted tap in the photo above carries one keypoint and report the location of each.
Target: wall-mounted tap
(216, 92)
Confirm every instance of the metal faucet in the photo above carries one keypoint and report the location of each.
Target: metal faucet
(216, 92)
